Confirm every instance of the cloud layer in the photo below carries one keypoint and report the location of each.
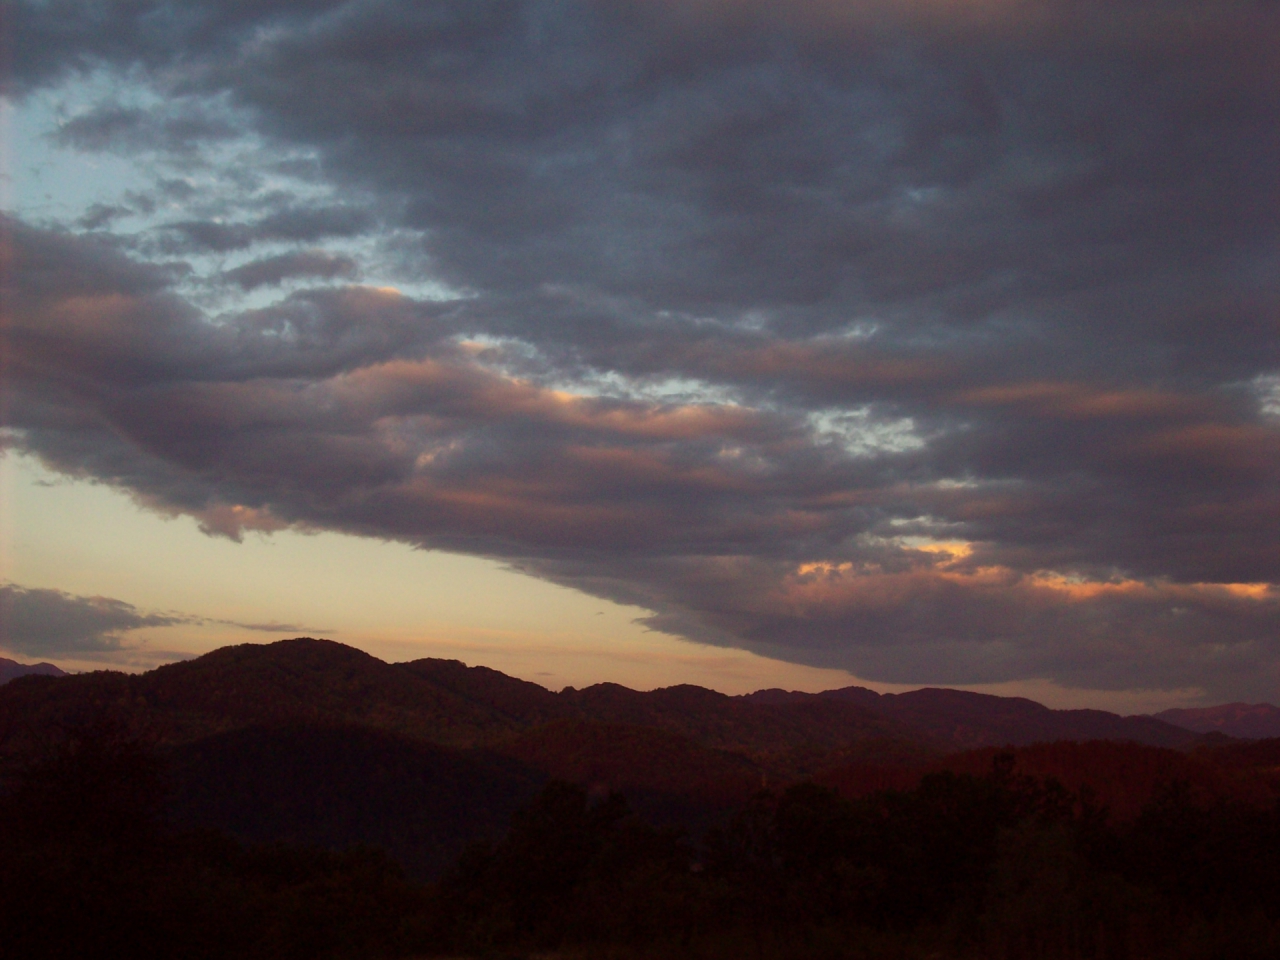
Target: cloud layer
(42, 622)
(52, 623)
(936, 341)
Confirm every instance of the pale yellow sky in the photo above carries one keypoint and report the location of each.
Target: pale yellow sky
(396, 602)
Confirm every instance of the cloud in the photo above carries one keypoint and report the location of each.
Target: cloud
(739, 290)
(286, 266)
(40, 622)
(901, 620)
(305, 224)
(273, 626)
(181, 128)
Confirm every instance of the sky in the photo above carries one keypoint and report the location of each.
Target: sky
(795, 343)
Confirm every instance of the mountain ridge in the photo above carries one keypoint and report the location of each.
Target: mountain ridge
(969, 720)
(1247, 721)
(12, 669)
(305, 680)
(308, 740)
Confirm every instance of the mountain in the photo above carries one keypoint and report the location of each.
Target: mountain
(289, 682)
(1258, 759)
(966, 721)
(1248, 721)
(308, 681)
(11, 670)
(338, 786)
(1120, 776)
(310, 740)
(666, 777)
(722, 722)
(503, 698)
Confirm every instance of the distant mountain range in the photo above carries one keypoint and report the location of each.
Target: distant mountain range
(1247, 721)
(11, 670)
(968, 720)
(316, 741)
(449, 704)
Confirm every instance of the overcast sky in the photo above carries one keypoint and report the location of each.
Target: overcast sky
(923, 341)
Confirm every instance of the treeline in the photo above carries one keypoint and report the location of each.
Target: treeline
(962, 866)
(994, 865)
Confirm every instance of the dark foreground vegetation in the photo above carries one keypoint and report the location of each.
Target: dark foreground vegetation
(996, 865)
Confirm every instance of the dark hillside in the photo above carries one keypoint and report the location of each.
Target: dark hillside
(517, 701)
(289, 682)
(338, 787)
(1121, 776)
(1257, 759)
(722, 722)
(979, 720)
(965, 720)
(665, 776)
(805, 762)
(33, 706)
(305, 680)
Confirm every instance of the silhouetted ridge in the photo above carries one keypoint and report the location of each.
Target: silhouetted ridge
(735, 723)
(967, 720)
(519, 701)
(306, 680)
(289, 682)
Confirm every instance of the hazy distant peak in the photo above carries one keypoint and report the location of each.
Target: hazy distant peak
(12, 669)
(1253, 721)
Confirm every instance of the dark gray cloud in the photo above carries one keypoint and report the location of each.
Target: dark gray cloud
(759, 306)
(287, 266)
(52, 623)
(296, 224)
(273, 626)
(42, 622)
(178, 129)
(101, 215)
